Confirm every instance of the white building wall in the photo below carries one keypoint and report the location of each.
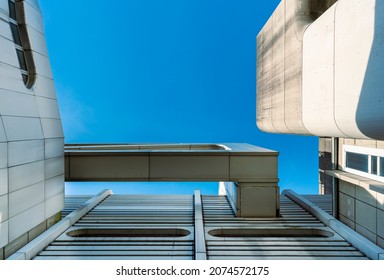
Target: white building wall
(31, 135)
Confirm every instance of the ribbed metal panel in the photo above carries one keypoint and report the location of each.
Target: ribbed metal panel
(152, 213)
(130, 212)
(322, 201)
(218, 215)
(72, 202)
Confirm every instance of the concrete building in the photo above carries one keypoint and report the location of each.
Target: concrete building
(319, 71)
(250, 219)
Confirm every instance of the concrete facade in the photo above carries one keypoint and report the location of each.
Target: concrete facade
(31, 136)
(338, 96)
(325, 80)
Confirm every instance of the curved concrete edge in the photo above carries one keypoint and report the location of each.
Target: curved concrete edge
(30, 250)
(361, 243)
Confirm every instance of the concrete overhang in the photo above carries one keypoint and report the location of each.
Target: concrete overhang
(252, 169)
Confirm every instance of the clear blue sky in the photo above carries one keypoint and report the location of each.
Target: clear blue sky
(166, 71)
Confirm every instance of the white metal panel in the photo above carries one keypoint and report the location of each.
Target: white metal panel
(33, 17)
(3, 234)
(37, 42)
(22, 152)
(3, 155)
(358, 68)
(54, 167)
(44, 87)
(33, 3)
(3, 138)
(3, 208)
(318, 76)
(5, 30)
(8, 52)
(52, 128)
(25, 221)
(4, 7)
(54, 205)
(3, 181)
(17, 104)
(25, 175)
(54, 147)
(54, 186)
(26, 198)
(42, 65)
(22, 128)
(48, 107)
(10, 79)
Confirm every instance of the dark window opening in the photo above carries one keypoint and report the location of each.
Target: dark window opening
(20, 38)
(357, 161)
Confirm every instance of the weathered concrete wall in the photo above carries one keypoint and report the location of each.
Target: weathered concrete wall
(279, 65)
(322, 76)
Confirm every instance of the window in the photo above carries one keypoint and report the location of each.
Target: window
(20, 38)
(367, 162)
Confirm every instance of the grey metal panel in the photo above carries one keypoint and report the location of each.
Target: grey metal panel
(22, 152)
(8, 55)
(25, 175)
(47, 107)
(54, 167)
(17, 104)
(25, 221)
(54, 186)
(54, 147)
(3, 208)
(43, 67)
(33, 16)
(3, 181)
(4, 155)
(54, 204)
(22, 128)
(26, 198)
(52, 128)
(3, 234)
(10, 79)
(37, 42)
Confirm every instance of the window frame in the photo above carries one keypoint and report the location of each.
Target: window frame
(371, 152)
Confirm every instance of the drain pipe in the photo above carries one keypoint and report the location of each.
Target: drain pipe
(335, 181)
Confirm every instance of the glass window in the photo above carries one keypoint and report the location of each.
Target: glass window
(15, 34)
(12, 10)
(21, 57)
(20, 38)
(381, 173)
(357, 161)
(374, 165)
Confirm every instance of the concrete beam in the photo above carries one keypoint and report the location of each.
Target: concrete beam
(253, 169)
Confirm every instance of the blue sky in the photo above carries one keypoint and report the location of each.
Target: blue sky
(166, 71)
